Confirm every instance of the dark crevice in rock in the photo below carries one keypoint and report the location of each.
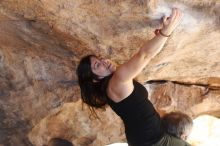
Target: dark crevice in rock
(208, 86)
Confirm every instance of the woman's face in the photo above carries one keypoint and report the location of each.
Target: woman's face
(102, 67)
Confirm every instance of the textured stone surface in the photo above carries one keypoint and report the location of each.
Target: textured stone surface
(76, 123)
(36, 75)
(194, 100)
(42, 41)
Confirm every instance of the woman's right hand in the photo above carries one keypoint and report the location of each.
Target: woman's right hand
(171, 22)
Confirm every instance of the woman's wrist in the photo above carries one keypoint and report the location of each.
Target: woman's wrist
(160, 32)
(166, 31)
(164, 34)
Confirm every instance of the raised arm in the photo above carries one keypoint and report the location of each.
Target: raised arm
(121, 83)
(129, 70)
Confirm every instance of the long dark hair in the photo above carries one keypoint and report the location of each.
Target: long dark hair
(92, 93)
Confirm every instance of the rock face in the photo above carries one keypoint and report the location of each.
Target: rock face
(42, 41)
(76, 123)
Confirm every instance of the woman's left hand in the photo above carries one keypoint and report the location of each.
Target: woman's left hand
(171, 22)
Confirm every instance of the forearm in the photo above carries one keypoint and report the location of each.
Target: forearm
(130, 69)
(152, 47)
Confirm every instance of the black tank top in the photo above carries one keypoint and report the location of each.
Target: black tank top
(142, 122)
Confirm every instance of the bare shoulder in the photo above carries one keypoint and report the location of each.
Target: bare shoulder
(118, 90)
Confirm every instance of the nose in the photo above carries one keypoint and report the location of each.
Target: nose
(105, 61)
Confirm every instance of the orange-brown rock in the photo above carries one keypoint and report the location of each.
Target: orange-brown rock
(42, 41)
(75, 122)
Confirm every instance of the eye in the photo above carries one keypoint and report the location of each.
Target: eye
(97, 65)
